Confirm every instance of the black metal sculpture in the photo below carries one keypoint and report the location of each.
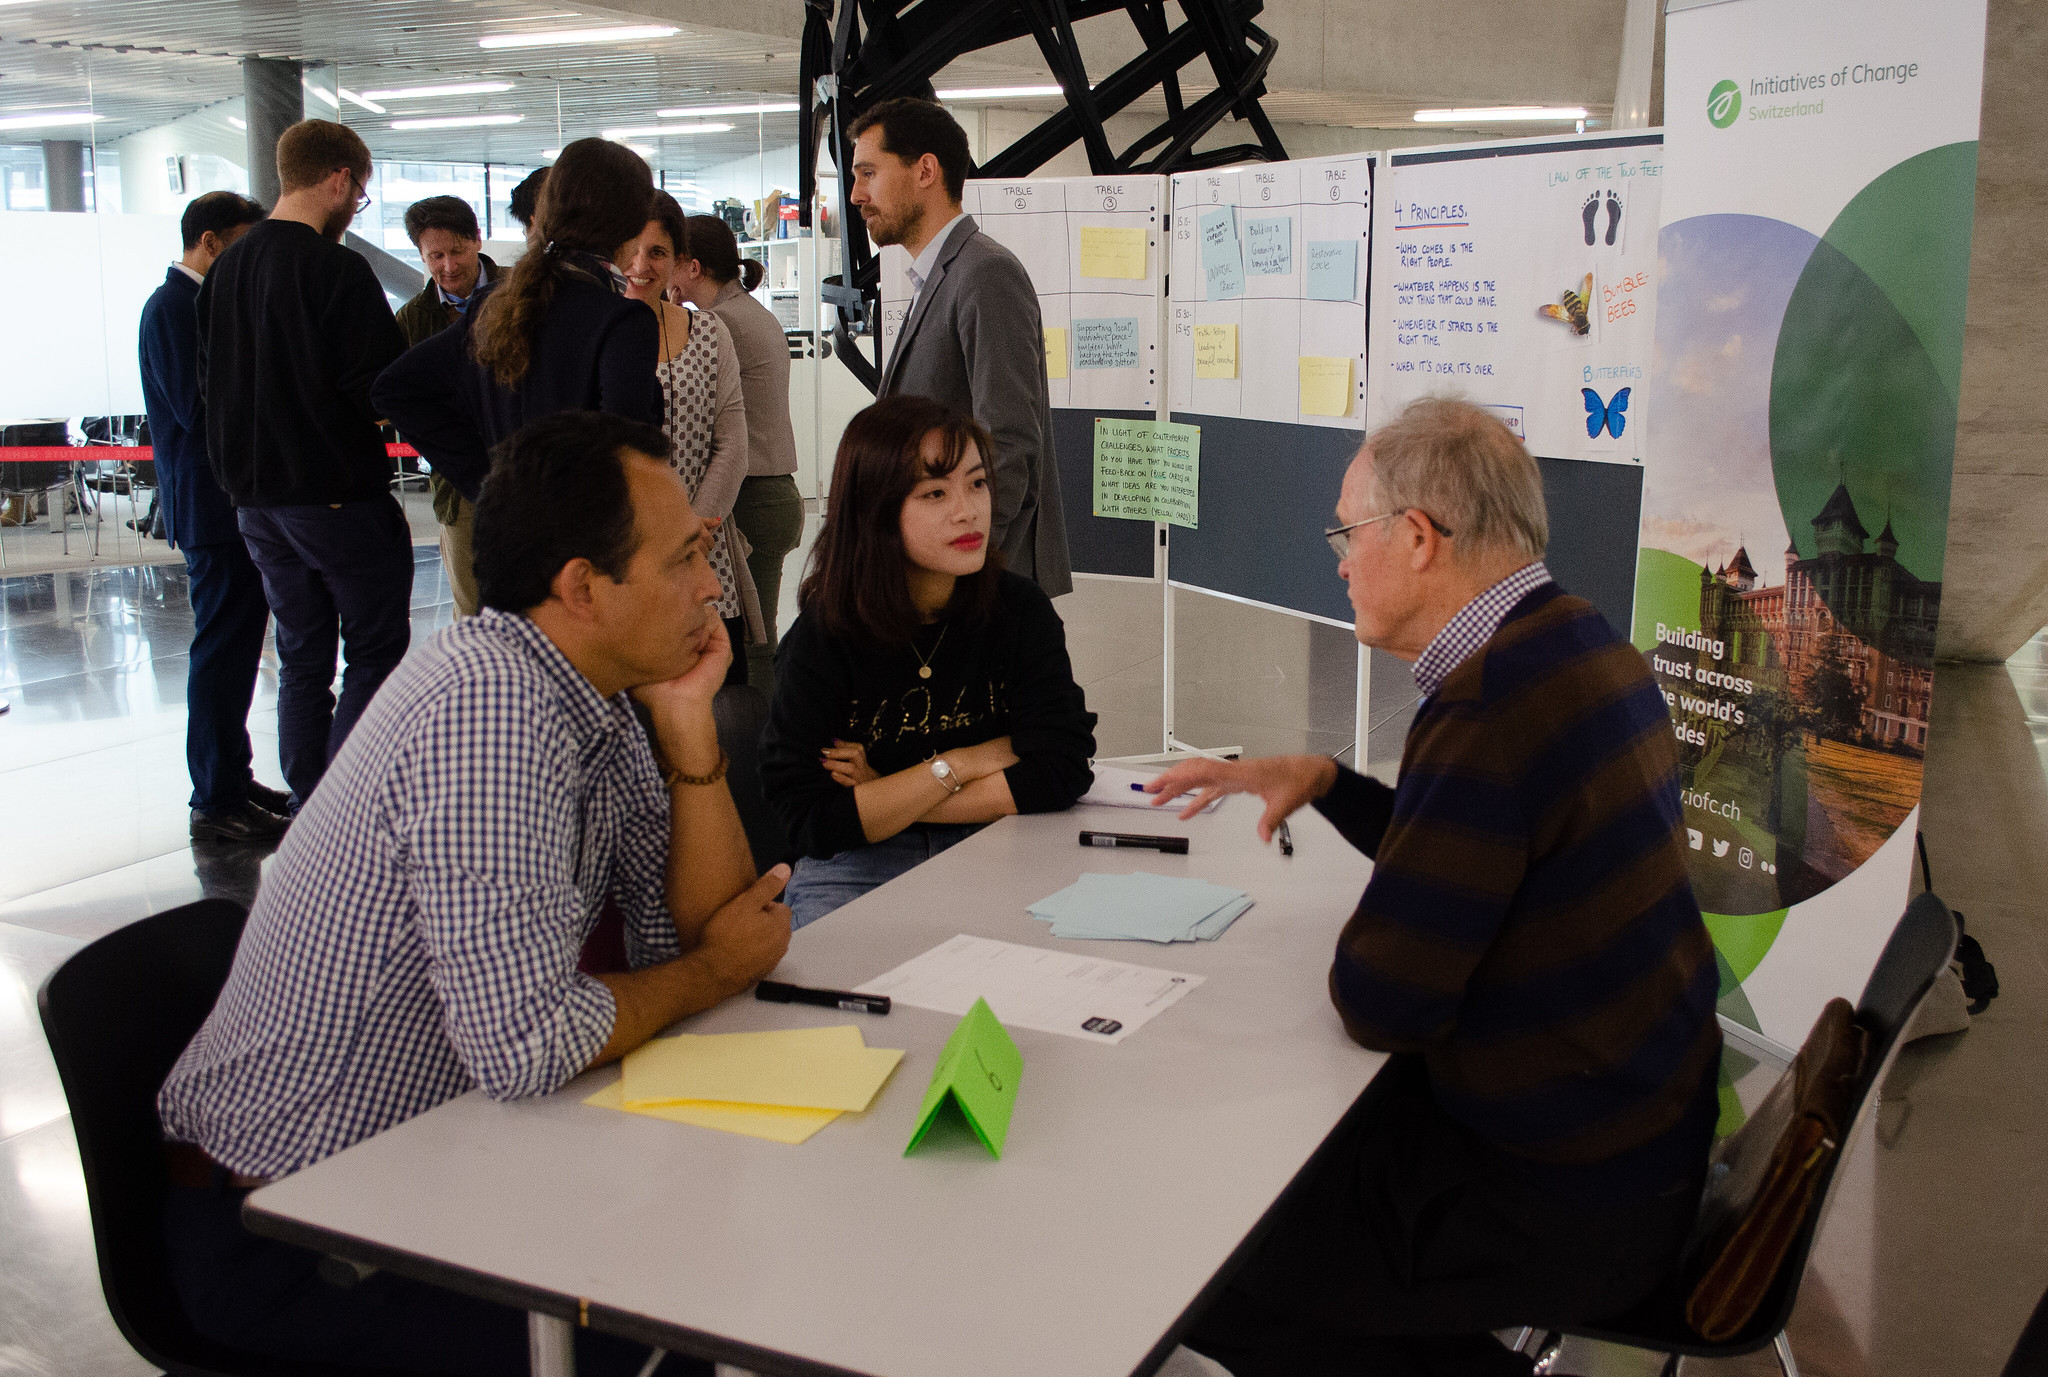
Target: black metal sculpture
(873, 50)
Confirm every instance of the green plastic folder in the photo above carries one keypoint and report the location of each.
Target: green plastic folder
(977, 1074)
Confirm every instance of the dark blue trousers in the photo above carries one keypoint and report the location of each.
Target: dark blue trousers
(268, 1297)
(228, 614)
(337, 577)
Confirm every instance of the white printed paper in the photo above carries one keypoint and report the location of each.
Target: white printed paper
(1031, 987)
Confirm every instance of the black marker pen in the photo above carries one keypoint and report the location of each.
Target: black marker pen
(775, 992)
(1172, 846)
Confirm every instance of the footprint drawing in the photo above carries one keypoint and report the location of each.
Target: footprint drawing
(1588, 212)
(1613, 219)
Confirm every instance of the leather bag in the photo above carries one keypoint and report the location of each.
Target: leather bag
(1762, 1179)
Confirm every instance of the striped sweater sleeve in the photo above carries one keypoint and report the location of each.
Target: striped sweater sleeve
(1448, 867)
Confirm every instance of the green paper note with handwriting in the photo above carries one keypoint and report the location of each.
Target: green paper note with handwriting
(978, 1072)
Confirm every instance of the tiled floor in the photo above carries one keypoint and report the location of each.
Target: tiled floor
(1932, 1257)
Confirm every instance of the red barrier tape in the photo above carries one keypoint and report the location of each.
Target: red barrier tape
(133, 454)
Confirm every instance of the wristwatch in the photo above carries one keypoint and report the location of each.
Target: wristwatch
(943, 773)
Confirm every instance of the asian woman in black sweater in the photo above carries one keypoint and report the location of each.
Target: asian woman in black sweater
(923, 692)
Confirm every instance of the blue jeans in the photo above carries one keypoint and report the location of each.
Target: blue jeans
(817, 887)
(336, 577)
(228, 616)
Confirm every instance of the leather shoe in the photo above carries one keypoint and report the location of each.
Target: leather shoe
(270, 800)
(246, 823)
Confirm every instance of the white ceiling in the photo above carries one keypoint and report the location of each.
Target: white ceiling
(141, 63)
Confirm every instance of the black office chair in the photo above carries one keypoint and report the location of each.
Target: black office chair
(117, 1015)
(1919, 948)
(2030, 1355)
(741, 712)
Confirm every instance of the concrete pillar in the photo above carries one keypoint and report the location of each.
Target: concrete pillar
(63, 174)
(1995, 579)
(276, 100)
(1638, 56)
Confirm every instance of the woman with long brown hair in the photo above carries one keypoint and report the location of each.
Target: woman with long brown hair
(769, 510)
(924, 690)
(703, 413)
(557, 333)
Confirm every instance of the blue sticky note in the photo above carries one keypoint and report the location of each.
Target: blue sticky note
(1106, 343)
(1333, 270)
(1141, 907)
(1222, 256)
(1269, 246)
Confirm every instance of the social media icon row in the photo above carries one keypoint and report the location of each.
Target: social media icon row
(1745, 858)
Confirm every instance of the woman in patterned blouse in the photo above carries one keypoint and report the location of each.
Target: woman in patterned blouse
(703, 413)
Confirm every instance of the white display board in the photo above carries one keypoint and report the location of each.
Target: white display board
(1521, 275)
(1107, 327)
(1300, 233)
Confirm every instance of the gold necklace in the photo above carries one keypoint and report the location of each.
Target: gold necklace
(924, 668)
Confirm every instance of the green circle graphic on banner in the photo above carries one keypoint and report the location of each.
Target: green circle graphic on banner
(1724, 103)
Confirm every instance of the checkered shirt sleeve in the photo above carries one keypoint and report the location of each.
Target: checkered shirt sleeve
(418, 934)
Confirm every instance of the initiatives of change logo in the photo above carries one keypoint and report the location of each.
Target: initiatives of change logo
(1724, 103)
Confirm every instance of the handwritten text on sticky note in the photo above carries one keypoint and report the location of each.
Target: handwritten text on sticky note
(1215, 351)
(1325, 386)
(1106, 343)
(1113, 251)
(1333, 270)
(1269, 246)
(1222, 256)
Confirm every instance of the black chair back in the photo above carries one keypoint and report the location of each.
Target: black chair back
(741, 712)
(118, 1014)
(1920, 946)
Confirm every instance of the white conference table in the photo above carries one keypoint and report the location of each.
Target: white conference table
(1131, 1175)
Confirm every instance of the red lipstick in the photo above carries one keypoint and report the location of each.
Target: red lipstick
(968, 542)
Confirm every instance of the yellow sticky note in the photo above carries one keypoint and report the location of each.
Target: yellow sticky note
(1055, 351)
(1325, 387)
(1215, 351)
(1112, 251)
(774, 1122)
(806, 1068)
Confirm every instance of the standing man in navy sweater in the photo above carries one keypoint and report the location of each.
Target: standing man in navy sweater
(228, 610)
(1528, 950)
(293, 329)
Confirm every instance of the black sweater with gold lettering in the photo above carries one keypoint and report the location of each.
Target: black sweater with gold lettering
(1004, 675)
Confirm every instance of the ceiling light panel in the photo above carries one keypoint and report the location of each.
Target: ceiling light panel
(457, 121)
(543, 38)
(464, 88)
(1000, 93)
(788, 107)
(1496, 114)
(662, 131)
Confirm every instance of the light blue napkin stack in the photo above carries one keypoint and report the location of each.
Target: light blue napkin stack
(1142, 907)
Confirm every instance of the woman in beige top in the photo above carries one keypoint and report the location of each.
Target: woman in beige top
(770, 510)
(703, 413)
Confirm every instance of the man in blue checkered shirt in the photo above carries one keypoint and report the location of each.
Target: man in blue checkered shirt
(418, 934)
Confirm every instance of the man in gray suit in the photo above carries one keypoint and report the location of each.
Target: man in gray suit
(972, 340)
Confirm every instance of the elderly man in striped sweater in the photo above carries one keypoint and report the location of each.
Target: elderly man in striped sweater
(1528, 950)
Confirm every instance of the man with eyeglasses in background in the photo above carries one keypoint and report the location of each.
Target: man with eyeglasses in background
(293, 329)
(1528, 950)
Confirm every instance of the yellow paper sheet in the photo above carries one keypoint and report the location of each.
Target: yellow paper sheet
(1325, 387)
(1055, 351)
(773, 1122)
(807, 1068)
(1112, 251)
(1215, 351)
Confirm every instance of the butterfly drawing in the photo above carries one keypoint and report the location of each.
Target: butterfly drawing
(1572, 308)
(1609, 415)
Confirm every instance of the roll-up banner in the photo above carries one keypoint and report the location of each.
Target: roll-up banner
(1821, 164)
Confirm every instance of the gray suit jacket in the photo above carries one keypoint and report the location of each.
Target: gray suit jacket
(974, 343)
